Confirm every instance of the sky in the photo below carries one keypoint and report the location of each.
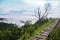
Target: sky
(12, 8)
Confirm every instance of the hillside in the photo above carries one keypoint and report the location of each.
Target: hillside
(55, 34)
(12, 32)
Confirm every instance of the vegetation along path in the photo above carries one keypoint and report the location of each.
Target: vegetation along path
(55, 33)
(43, 35)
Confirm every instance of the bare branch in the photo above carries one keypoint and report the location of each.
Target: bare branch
(38, 15)
(39, 12)
(47, 7)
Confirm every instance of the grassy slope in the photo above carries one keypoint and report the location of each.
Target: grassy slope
(55, 34)
(40, 28)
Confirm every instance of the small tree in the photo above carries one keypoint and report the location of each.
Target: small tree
(27, 22)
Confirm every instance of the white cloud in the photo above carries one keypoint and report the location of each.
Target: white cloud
(15, 5)
(34, 2)
(28, 5)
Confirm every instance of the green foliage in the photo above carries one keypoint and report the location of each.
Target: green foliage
(8, 31)
(31, 30)
(42, 21)
(55, 34)
(11, 32)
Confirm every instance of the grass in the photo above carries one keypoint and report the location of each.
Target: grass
(55, 34)
(39, 29)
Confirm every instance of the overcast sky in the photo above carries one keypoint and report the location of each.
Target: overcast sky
(19, 7)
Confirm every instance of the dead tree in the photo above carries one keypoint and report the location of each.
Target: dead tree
(47, 9)
(38, 13)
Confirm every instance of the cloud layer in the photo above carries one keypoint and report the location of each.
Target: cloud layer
(26, 6)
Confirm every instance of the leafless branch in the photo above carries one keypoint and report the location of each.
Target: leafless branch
(47, 6)
(38, 15)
